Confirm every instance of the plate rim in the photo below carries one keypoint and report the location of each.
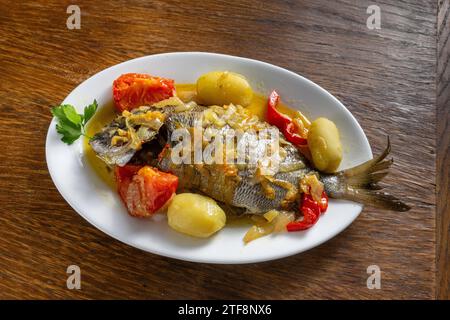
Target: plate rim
(205, 260)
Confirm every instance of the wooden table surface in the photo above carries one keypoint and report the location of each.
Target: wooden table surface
(387, 78)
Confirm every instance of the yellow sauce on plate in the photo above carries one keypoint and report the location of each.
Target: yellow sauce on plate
(101, 118)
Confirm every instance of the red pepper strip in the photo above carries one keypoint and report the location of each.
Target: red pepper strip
(311, 212)
(282, 121)
(293, 136)
(273, 116)
(308, 201)
(323, 204)
(310, 218)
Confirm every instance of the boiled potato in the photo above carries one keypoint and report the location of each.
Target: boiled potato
(325, 145)
(224, 87)
(195, 215)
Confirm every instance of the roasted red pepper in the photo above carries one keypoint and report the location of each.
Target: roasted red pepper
(282, 121)
(310, 217)
(323, 204)
(311, 212)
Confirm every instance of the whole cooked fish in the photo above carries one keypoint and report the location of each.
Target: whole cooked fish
(248, 183)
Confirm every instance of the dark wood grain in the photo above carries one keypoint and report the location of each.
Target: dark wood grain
(386, 78)
(443, 151)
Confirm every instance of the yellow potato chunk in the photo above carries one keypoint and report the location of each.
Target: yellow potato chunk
(195, 215)
(224, 87)
(325, 145)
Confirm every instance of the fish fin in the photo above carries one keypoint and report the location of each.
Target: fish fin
(360, 183)
(377, 199)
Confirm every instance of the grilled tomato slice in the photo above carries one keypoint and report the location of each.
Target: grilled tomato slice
(132, 90)
(144, 190)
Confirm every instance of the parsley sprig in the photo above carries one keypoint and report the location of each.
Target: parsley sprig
(71, 125)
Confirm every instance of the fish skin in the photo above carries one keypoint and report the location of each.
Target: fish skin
(242, 191)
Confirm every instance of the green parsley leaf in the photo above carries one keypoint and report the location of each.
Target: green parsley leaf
(71, 114)
(58, 112)
(68, 131)
(89, 111)
(71, 125)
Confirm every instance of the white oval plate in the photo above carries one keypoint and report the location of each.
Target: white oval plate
(101, 206)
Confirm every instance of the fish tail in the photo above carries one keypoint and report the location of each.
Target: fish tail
(360, 183)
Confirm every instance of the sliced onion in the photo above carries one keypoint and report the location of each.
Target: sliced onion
(256, 232)
(282, 221)
(310, 184)
(263, 227)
